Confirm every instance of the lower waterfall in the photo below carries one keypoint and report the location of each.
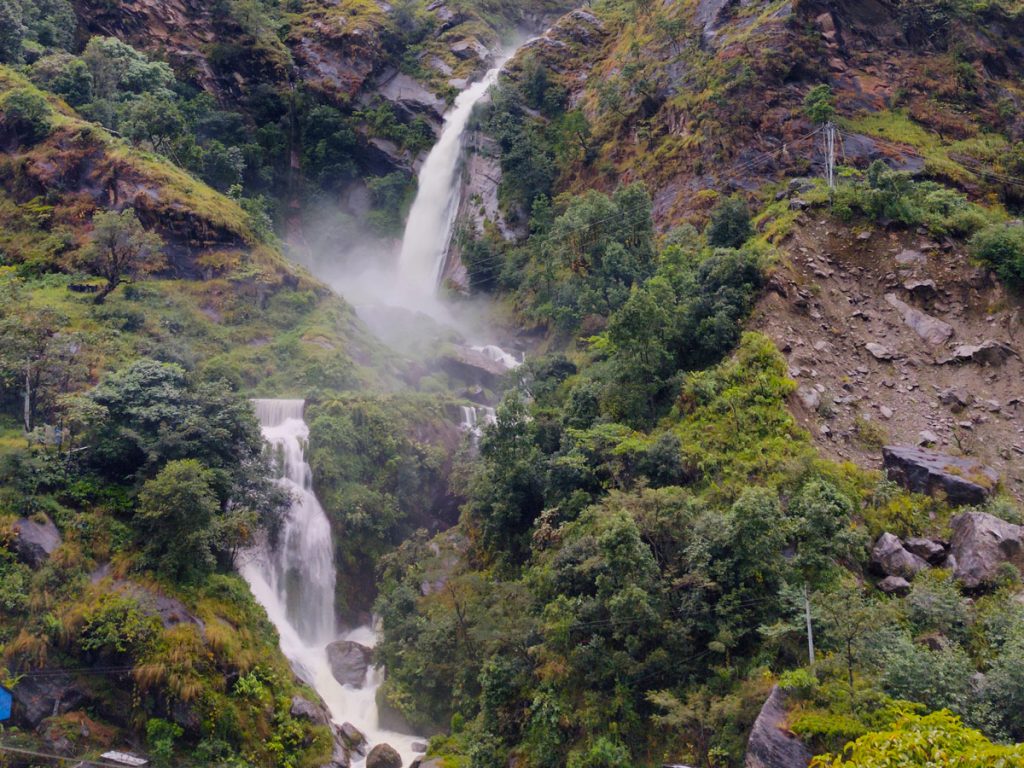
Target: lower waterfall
(295, 580)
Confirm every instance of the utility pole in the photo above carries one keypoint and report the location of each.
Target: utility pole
(810, 629)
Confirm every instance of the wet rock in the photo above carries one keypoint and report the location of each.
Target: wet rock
(353, 738)
(35, 541)
(46, 694)
(960, 480)
(339, 758)
(474, 365)
(931, 329)
(306, 710)
(879, 351)
(349, 661)
(771, 743)
(980, 544)
(894, 585)
(889, 558)
(932, 551)
(989, 352)
(383, 756)
(419, 747)
(412, 99)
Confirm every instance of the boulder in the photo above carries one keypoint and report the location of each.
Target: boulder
(809, 396)
(989, 352)
(894, 585)
(910, 256)
(927, 549)
(772, 744)
(879, 351)
(349, 662)
(889, 558)
(960, 480)
(353, 738)
(304, 709)
(931, 329)
(46, 694)
(383, 756)
(981, 543)
(470, 49)
(474, 365)
(35, 541)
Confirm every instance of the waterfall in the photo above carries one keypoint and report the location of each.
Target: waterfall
(300, 570)
(295, 581)
(428, 232)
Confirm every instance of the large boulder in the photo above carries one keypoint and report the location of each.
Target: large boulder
(890, 558)
(383, 756)
(960, 480)
(304, 709)
(35, 541)
(981, 543)
(349, 662)
(353, 738)
(988, 352)
(772, 744)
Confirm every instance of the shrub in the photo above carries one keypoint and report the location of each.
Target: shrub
(819, 104)
(1002, 247)
(25, 115)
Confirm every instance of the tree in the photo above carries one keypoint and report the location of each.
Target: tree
(819, 104)
(175, 514)
(730, 223)
(25, 115)
(121, 250)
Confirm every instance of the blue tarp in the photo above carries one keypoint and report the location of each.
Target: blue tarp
(5, 703)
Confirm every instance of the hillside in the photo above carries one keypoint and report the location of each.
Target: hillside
(753, 497)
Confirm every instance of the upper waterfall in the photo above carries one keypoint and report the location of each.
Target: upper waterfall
(428, 231)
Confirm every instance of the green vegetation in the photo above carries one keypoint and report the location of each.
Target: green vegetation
(1001, 246)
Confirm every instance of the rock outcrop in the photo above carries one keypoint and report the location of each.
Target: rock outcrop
(35, 541)
(980, 544)
(772, 744)
(931, 329)
(46, 693)
(349, 662)
(959, 480)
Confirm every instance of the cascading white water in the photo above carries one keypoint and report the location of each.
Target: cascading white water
(294, 581)
(428, 232)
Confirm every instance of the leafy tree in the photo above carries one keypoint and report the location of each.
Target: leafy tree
(121, 250)
(65, 75)
(730, 223)
(24, 116)
(175, 514)
(819, 104)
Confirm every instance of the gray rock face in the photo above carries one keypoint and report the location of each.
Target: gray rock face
(809, 397)
(349, 662)
(879, 351)
(35, 542)
(889, 558)
(37, 697)
(981, 543)
(383, 756)
(894, 585)
(962, 481)
(771, 744)
(931, 329)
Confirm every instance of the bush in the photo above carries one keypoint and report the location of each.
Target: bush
(1002, 247)
(25, 116)
(730, 224)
